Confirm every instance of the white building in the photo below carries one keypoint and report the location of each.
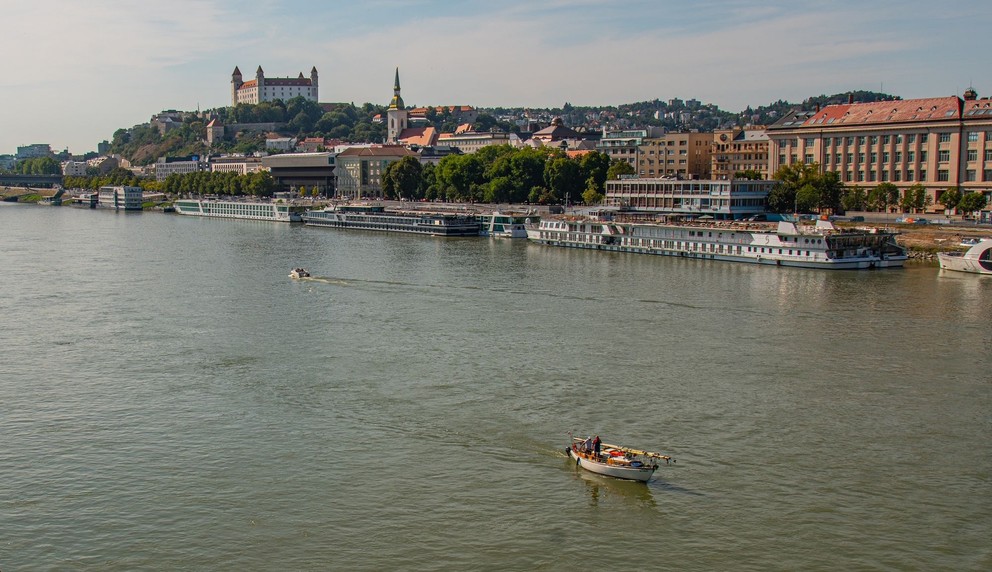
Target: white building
(732, 199)
(269, 89)
(166, 166)
(74, 168)
(121, 198)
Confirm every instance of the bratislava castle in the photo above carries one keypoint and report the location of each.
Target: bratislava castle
(269, 89)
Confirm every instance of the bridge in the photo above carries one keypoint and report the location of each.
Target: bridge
(35, 181)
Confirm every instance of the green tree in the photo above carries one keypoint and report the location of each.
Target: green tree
(853, 199)
(915, 198)
(594, 167)
(883, 196)
(619, 168)
(950, 198)
(564, 179)
(403, 179)
(749, 174)
(972, 202)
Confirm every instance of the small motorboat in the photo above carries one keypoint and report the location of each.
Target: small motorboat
(615, 461)
(298, 273)
(976, 260)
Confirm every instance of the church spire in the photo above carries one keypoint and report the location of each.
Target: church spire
(397, 102)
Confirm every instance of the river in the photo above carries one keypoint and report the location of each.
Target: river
(170, 399)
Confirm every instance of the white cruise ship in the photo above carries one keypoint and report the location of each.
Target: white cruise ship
(252, 210)
(822, 246)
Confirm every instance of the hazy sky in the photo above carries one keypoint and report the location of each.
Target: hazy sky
(74, 71)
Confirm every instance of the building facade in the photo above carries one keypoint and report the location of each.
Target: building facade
(725, 200)
(737, 150)
(624, 145)
(34, 151)
(121, 198)
(166, 166)
(938, 143)
(685, 155)
(270, 89)
(359, 169)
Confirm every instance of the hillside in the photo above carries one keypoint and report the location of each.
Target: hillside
(143, 144)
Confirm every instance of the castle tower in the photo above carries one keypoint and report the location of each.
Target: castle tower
(313, 82)
(235, 85)
(260, 84)
(397, 115)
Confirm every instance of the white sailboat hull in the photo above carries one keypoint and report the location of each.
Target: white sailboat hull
(641, 474)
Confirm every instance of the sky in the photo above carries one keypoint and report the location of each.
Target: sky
(75, 72)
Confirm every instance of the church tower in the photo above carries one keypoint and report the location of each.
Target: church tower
(235, 85)
(397, 115)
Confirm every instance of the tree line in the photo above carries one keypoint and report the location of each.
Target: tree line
(803, 188)
(501, 173)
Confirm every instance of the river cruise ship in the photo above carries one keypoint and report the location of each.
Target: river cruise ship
(253, 210)
(505, 225)
(790, 244)
(376, 217)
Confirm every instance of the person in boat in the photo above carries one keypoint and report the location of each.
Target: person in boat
(596, 444)
(587, 446)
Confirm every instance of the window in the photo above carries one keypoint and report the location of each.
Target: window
(896, 175)
(808, 159)
(923, 174)
(943, 156)
(781, 158)
(910, 156)
(898, 156)
(849, 157)
(944, 137)
(911, 138)
(849, 140)
(969, 175)
(837, 158)
(861, 158)
(987, 175)
(848, 176)
(898, 139)
(861, 139)
(909, 174)
(972, 154)
(793, 158)
(828, 141)
(885, 175)
(810, 141)
(943, 175)
(873, 158)
(885, 156)
(871, 176)
(861, 176)
(923, 156)
(988, 154)
(988, 135)
(873, 140)
(973, 137)
(924, 137)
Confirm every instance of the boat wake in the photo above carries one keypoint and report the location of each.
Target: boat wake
(326, 280)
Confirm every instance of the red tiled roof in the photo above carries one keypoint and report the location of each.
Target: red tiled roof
(424, 136)
(932, 109)
(249, 83)
(377, 151)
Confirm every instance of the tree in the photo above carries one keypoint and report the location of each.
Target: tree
(619, 168)
(972, 202)
(882, 196)
(950, 198)
(594, 167)
(564, 179)
(853, 199)
(403, 179)
(915, 198)
(750, 175)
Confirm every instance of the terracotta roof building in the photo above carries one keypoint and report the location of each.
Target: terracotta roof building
(938, 142)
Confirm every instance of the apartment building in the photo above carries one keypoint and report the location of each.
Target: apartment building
(938, 142)
(676, 155)
(737, 150)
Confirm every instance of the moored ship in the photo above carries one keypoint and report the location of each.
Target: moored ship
(252, 210)
(376, 217)
(976, 260)
(505, 225)
(822, 246)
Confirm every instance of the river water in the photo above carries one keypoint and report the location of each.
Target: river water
(170, 399)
